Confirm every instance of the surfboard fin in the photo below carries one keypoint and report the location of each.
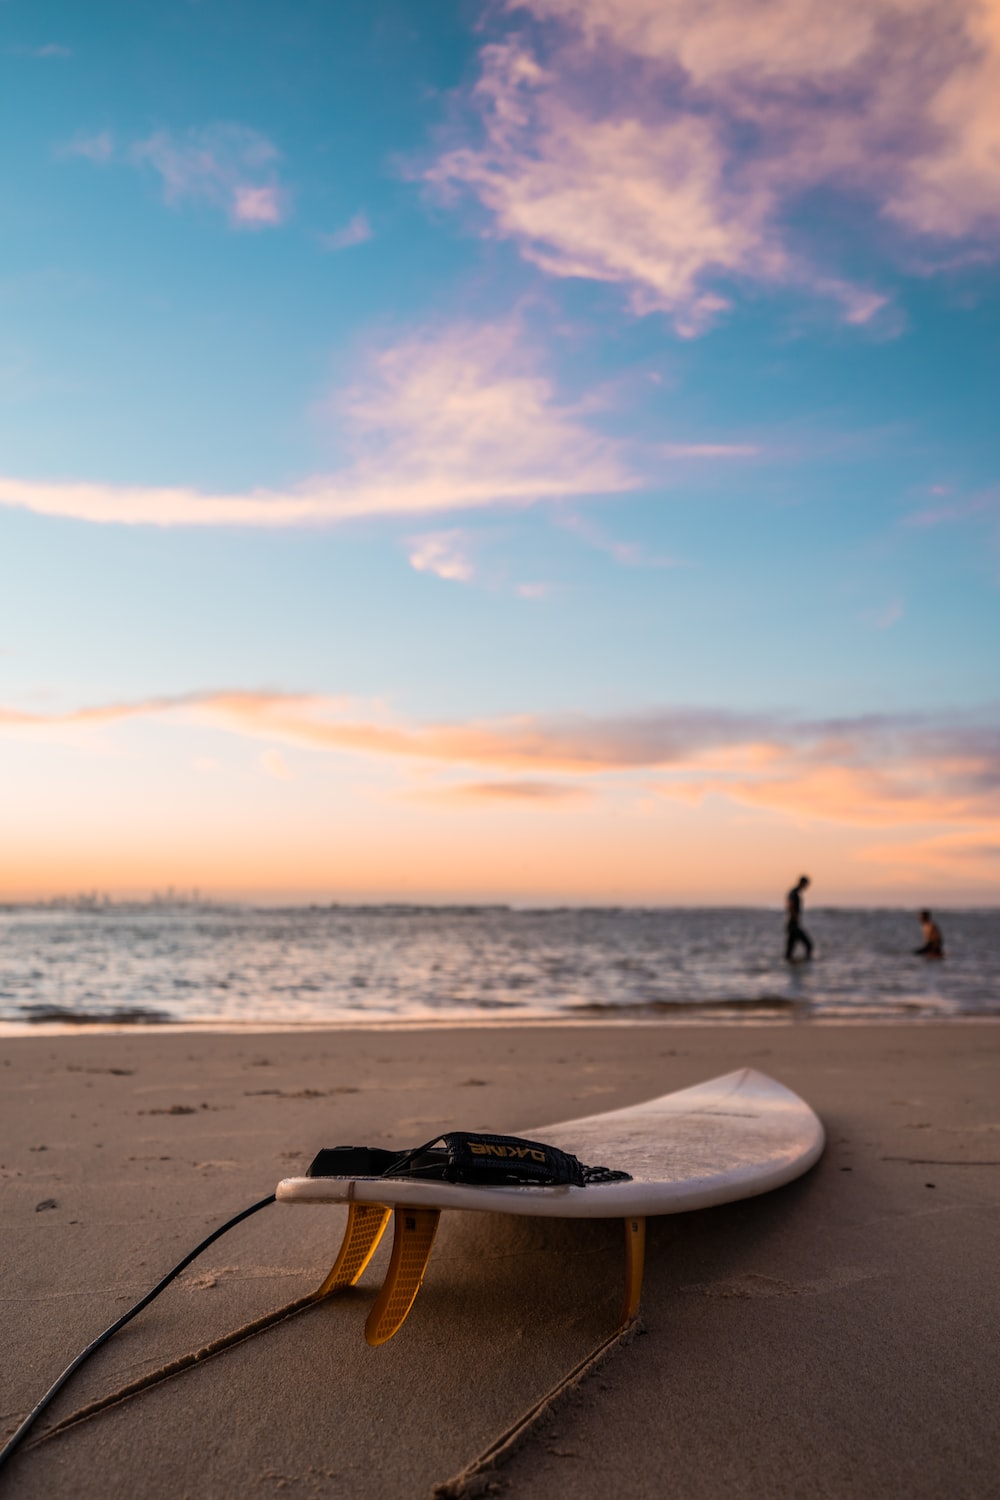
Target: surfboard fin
(365, 1226)
(635, 1257)
(413, 1235)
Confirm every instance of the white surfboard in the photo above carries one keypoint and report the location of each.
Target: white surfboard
(731, 1138)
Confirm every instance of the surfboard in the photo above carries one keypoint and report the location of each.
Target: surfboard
(730, 1138)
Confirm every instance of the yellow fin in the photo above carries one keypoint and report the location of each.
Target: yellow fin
(413, 1235)
(365, 1226)
(635, 1256)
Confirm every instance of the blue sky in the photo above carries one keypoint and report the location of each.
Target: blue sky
(480, 366)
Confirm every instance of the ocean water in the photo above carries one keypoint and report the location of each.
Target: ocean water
(233, 965)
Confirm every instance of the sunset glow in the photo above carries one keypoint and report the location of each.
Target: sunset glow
(545, 453)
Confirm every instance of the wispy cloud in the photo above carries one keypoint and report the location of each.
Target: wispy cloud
(97, 147)
(610, 198)
(663, 147)
(931, 776)
(256, 206)
(885, 618)
(230, 167)
(975, 507)
(708, 450)
(274, 764)
(446, 554)
(501, 793)
(42, 51)
(948, 856)
(355, 232)
(447, 420)
(628, 554)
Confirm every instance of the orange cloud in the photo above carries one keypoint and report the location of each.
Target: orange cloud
(874, 772)
(672, 804)
(499, 793)
(454, 420)
(962, 861)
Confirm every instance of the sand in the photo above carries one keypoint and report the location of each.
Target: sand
(833, 1339)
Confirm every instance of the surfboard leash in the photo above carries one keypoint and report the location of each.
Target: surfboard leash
(16, 1439)
(456, 1157)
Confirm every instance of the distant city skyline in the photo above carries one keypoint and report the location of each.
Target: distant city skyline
(532, 452)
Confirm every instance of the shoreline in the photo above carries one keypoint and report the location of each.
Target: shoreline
(779, 1331)
(13, 1029)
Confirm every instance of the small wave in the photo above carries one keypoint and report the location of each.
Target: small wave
(126, 1015)
(695, 1007)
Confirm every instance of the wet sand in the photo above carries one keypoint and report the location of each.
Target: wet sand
(835, 1338)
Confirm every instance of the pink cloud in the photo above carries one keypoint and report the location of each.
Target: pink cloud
(230, 167)
(256, 205)
(890, 615)
(629, 554)
(98, 148)
(456, 419)
(660, 146)
(708, 450)
(885, 618)
(610, 199)
(443, 553)
(357, 231)
(45, 50)
(987, 505)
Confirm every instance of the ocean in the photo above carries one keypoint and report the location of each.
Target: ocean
(194, 964)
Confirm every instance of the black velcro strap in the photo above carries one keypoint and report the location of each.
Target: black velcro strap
(463, 1156)
(351, 1161)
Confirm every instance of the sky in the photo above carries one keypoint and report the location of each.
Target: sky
(542, 451)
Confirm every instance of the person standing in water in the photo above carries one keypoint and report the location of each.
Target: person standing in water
(795, 933)
(933, 941)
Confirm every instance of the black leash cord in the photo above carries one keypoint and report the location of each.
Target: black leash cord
(102, 1338)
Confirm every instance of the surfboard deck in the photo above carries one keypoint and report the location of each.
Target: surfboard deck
(730, 1138)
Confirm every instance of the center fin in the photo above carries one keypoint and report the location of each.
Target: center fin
(413, 1235)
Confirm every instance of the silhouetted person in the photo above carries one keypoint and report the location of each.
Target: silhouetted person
(933, 941)
(795, 933)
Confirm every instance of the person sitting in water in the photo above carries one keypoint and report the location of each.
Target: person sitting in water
(933, 946)
(795, 933)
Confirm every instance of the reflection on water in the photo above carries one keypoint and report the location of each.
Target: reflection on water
(238, 964)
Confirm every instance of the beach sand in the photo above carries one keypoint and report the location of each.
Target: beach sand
(836, 1338)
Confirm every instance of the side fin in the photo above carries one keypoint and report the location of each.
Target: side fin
(365, 1226)
(635, 1256)
(413, 1235)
